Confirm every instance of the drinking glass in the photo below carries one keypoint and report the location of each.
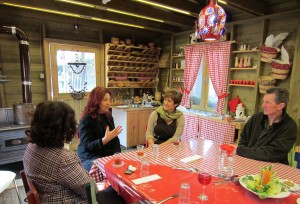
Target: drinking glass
(140, 151)
(155, 150)
(184, 193)
(204, 178)
(145, 168)
(117, 159)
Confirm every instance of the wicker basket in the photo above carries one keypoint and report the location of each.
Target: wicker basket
(266, 82)
(268, 52)
(280, 71)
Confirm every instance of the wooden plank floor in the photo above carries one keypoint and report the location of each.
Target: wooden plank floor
(10, 196)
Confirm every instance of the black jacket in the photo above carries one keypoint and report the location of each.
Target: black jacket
(272, 144)
(91, 131)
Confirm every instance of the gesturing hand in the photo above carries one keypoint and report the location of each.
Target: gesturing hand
(109, 135)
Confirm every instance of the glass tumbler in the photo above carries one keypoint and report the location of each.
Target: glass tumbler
(184, 193)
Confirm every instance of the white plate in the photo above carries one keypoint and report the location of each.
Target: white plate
(298, 201)
(122, 106)
(279, 195)
(117, 166)
(294, 188)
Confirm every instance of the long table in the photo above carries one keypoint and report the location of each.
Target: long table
(171, 178)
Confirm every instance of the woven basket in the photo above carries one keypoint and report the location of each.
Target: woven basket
(268, 52)
(266, 82)
(280, 71)
(268, 55)
(279, 76)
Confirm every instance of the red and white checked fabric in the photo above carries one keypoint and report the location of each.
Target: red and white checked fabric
(217, 58)
(191, 127)
(96, 173)
(209, 152)
(220, 133)
(193, 56)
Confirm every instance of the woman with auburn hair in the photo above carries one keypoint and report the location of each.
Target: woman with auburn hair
(97, 132)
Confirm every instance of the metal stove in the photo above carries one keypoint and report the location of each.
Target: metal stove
(13, 140)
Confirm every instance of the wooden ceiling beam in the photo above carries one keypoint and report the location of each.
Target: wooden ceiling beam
(89, 12)
(84, 25)
(144, 10)
(192, 7)
(257, 7)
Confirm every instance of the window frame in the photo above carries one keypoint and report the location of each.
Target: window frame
(50, 48)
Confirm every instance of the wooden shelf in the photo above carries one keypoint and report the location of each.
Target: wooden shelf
(246, 68)
(178, 56)
(245, 51)
(242, 85)
(132, 63)
(177, 69)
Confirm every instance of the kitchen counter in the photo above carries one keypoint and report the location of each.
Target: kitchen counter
(129, 109)
(12, 126)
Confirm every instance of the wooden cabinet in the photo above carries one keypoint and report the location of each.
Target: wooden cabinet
(178, 41)
(131, 66)
(133, 121)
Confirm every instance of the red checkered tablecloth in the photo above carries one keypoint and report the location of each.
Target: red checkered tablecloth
(218, 132)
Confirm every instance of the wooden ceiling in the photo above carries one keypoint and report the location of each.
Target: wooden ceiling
(173, 22)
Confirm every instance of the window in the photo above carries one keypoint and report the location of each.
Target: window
(203, 95)
(72, 68)
(76, 71)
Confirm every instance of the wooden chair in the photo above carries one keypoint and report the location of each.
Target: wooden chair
(297, 159)
(91, 192)
(31, 193)
(107, 196)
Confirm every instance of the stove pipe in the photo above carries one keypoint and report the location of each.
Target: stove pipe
(24, 60)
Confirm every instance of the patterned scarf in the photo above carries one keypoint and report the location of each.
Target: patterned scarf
(166, 116)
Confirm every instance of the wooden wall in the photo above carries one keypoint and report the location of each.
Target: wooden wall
(10, 62)
(38, 27)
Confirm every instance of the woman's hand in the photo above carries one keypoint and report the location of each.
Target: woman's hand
(109, 135)
(150, 142)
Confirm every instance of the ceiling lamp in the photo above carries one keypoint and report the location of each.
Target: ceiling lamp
(211, 22)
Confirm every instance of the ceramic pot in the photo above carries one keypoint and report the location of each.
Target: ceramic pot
(211, 22)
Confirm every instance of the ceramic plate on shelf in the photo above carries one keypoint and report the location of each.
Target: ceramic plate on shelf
(122, 106)
(282, 194)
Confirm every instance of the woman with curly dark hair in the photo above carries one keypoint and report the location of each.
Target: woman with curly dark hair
(56, 172)
(97, 131)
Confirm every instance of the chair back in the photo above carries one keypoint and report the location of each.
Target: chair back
(91, 192)
(24, 179)
(297, 159)
(31, 193)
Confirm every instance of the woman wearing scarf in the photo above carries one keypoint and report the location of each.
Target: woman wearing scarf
(166, 123)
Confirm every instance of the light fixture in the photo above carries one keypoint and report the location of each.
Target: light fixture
(165, 7)
(222, 2)
(76, 27)
(211, 22)
(79, 3)
(105, 1)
